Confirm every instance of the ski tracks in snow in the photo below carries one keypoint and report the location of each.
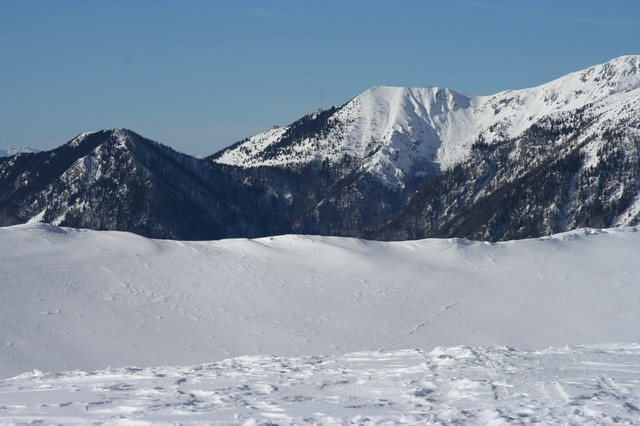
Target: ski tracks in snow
(397, 343)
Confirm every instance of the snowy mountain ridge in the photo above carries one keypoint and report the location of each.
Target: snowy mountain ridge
(393, 164)
(398, 132)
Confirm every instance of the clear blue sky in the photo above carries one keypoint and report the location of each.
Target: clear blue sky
(200, 75)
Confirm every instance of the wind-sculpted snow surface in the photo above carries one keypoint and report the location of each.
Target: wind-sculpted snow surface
(77, 299)
(459, 385)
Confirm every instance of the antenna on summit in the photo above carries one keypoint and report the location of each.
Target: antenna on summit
(320, 109)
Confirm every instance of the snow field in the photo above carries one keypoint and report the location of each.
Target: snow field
(95, 304)
(76, 299)
(458, 385)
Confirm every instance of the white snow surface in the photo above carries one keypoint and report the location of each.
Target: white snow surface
(78, 299)
(398, 131)
(460, 385)
(307, 329)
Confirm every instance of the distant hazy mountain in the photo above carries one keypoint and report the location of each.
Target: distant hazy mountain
(393, 163)
(17, 150)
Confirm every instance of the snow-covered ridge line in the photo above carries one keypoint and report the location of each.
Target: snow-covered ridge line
(395, 131)
(86, 299)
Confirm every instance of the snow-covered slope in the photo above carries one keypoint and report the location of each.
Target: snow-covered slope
(461, 385)
(399, 132)
(76, 299)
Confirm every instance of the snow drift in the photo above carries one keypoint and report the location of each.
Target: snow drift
(77, 299)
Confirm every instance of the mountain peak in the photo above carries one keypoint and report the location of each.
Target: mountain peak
(114, 135)
(620, 74)
(396, 132)
(625, 61)
(393, 163)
